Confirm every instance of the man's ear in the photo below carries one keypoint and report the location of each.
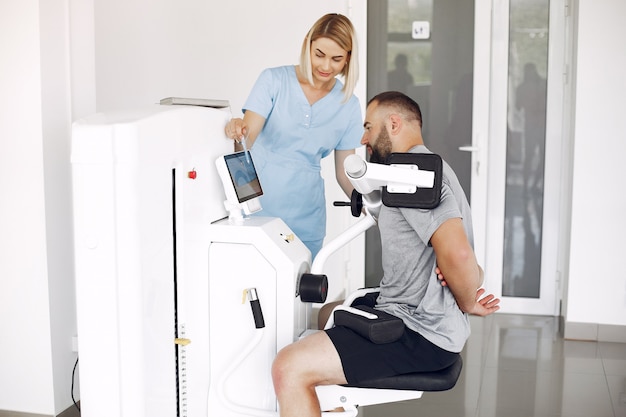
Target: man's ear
(395, 123)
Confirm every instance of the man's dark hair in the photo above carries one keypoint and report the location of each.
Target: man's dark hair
(400, 102)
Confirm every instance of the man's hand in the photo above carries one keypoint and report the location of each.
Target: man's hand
(440, 277)
(483, 306)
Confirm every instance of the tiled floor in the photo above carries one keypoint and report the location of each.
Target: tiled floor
(520, 366)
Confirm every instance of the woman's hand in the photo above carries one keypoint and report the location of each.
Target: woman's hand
(249, 127)
(235, 129)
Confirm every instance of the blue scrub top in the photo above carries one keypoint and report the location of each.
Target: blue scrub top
(288, 151)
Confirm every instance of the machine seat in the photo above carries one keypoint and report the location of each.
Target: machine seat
(378, 390)
(442, 380)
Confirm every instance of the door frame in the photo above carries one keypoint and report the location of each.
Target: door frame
(489, 159)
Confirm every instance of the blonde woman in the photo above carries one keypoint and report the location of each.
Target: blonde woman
(296, 115)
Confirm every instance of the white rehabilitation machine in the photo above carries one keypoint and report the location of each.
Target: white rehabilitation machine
(183, 300)
(164, 278)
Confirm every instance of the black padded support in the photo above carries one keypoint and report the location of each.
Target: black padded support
(386, 328)
(422, 198)
(422, 381)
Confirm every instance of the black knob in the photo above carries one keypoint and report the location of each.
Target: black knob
(313, 288)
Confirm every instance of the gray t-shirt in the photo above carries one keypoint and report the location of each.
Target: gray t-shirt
(410, 288)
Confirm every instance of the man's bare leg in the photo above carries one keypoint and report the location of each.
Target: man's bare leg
(299, 368)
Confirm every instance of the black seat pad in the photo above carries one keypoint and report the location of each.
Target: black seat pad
(441, 380)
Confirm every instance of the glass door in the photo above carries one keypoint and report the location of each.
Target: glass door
(525, 154)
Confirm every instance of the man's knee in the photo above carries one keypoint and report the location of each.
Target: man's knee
(278, 372)
(280, 369)
(287, 367)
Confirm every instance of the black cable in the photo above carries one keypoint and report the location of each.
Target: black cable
(73, 376)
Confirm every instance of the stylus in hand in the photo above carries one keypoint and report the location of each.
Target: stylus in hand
(245, 148)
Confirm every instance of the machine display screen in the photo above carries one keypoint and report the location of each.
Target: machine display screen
(243, 176)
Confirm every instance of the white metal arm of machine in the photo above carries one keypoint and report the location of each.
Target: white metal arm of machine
(367, 177)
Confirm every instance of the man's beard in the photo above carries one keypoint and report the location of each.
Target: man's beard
(382, 149)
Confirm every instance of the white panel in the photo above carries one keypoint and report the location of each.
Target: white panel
(221, 260)
(240, 364)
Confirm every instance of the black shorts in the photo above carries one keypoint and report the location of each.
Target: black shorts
(363, 360)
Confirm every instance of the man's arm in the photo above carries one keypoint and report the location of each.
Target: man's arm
(443, 282)
(457, 262)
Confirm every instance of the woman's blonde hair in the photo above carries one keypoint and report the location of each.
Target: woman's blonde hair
(338, 28)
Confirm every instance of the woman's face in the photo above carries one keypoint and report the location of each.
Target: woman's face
(328, 59)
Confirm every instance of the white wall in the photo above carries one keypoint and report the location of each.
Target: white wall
(147, 50)
(26, 381)
(56, 126)
(597, 277)
(38, 315)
